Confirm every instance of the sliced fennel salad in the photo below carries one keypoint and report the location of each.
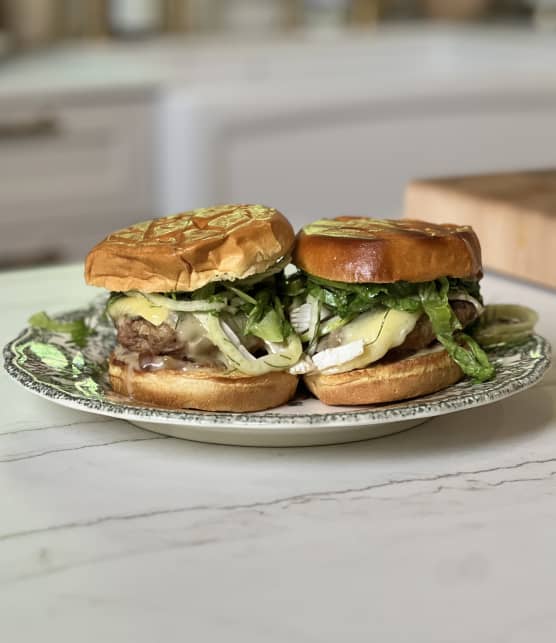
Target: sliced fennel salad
(235, 315)
(369, 319)
(273, 322)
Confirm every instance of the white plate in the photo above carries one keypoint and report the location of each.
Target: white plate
(50, 365)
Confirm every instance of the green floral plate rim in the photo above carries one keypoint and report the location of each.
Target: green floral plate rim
(48, 364)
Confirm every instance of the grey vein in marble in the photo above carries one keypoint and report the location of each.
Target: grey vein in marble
(291, 500)
(78, 448)
(69, 425)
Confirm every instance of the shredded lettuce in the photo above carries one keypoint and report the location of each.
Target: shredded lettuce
(265, 317)
(351, 299)
(347, 300)
(267, 328)
(77, 329)
(257, 302)
(244, 309)
(463, 349)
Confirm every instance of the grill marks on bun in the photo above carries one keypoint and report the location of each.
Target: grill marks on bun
(183, 253)
(362, 250)
(357, 250)
(186, 251)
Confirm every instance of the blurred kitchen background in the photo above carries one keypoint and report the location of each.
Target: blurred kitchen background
(115, 111)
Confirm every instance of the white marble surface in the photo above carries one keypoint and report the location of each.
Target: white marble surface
(445, 533)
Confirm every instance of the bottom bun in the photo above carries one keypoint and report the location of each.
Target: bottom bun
(207, 390)
(420, 374)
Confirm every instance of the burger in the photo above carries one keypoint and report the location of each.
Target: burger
(381, 307)
(196, 300)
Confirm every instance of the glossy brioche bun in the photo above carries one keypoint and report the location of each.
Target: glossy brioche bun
(188, 250)
(362, 250)
(423, 373)
(207, 390)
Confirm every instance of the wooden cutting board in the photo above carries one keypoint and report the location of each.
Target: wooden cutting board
(513, 214)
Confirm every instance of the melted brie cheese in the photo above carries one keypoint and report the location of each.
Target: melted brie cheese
(138, 306)
(192, 334)
(380, 331)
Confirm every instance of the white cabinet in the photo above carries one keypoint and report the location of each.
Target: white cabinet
(72, 172)
(313, 128)
(360, 162)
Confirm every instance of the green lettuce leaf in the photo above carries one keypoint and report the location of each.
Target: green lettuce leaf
(78, 329)
(351, 299)
(463, 349)
(348, 300)
(257, 301)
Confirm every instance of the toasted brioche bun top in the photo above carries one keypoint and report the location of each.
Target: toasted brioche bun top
(362, 250)
(188, 250)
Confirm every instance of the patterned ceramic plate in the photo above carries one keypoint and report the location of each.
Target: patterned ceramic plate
(50, 365)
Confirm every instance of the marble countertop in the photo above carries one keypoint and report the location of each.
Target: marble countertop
(444, 533)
